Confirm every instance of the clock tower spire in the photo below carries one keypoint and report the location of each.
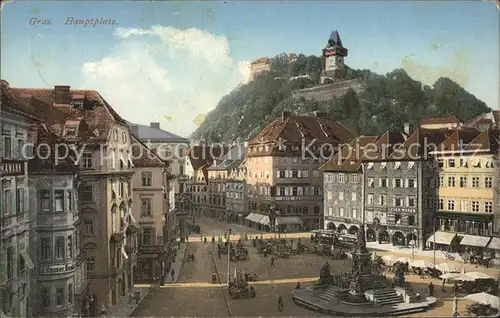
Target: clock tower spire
(334, 54)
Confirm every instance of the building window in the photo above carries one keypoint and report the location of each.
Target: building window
(411, 201)
(7, 202)
(146, 179)
(341, 178)
(451, 205)
(412, 183)
(87, 160)
(463, 181)
(88, 193)
(295, 174)
(59, 200)
(383, 182)
(90, 263)
(463, 163)
(60, 247)
(451, 182)
(411, 220)
(115, 135)
(475, 182)
(398, 183)
(20, 200)
(451, 163)
(147, 236)
(355, 178)
(89, 227)
(45, 200)
(329, 195)
(354, 213)
(44, 293)
(441, 204)
(475, 206)
(121, 189)
(146, 207)
(341, 212)
(370, 199)
(488, 206)
(45, 248)
(59, 296)
(371, 183)
(441, 181)
(70, 293)
(440, 163)
(398, 201)
(10, 262)
(397, 219)
(341, 195)
(70, 246)
(353, 196)
(488, 182)
(382, 200)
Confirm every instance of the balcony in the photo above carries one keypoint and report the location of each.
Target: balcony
(151, 249)
(56, 268)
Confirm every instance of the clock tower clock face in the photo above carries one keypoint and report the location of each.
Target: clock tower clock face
(330, 62)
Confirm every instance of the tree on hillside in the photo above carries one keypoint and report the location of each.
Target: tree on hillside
(279, 65)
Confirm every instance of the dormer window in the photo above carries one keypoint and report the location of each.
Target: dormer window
(70, 131)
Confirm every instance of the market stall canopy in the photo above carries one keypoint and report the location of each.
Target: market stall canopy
(389, 259)
(485, 298)
(478, 275)
(264, 220)
(422, 264)
(286, 220)
(475, 240)
(254, 217)
(449, 276)
(441, 237)
(448, 268)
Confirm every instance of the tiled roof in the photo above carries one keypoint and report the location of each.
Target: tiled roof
(261, 60)
(348, 159)
(384, 147)
(301, 129)
(492, 117)
(440, 120)
(486, 141)
(414, 147)
(459, 139)
(233, 158)
(14, 104)
(49, 164)
(202, 156)
(142, 156)
(97, 114)
(144, 132)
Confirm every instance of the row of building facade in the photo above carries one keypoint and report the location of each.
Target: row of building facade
(85, 204)
(438, 184)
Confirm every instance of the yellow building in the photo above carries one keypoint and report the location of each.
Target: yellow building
(282, 171)
(465, 191)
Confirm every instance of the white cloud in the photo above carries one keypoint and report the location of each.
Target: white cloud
(166, 74)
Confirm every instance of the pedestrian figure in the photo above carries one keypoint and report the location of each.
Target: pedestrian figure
(172, 273)
(218, 252)
(272, 262)
(214, 278)
(137, 296)
(431, 289)
(213, 240)
(103, 311)
(455, 289)
(205, 240)
(443, 284)
(201, 238)
(298, 285)
(130, 297)
(179, 244)
(280, 304)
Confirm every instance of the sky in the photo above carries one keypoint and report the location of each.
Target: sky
(171, 62)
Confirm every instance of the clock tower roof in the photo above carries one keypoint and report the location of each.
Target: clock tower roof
(334, 40)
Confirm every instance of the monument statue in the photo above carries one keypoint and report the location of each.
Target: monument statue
(324, 275)
(361, 241)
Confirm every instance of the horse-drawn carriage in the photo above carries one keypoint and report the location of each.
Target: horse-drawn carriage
(250, 277)
(478, 259)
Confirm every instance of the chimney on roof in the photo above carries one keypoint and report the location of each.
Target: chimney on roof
(408, 130)
(320, 114)
(154, 125)
(285, 115)
(62, 94)
(134, 129)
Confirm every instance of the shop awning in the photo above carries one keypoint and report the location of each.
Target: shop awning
(253, 217)
(475, 240)
(264, 220)
(286, 220)
(494, 244)
(27, 259)
(442, 237)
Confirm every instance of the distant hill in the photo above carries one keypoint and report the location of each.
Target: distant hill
(371, 104)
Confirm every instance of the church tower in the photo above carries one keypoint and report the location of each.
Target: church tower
(333, 55)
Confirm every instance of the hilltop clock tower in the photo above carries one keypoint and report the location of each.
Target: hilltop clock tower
(334, 54)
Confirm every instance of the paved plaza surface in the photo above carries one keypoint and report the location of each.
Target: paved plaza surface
(194, 295)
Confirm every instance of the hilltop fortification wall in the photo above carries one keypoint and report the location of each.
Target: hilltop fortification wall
(329, 91)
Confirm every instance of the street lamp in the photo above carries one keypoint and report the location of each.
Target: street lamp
(414, 242)
(228, 254)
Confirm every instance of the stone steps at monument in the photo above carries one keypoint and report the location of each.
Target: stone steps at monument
(333, 292)
(386, 297)
(408, 311)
